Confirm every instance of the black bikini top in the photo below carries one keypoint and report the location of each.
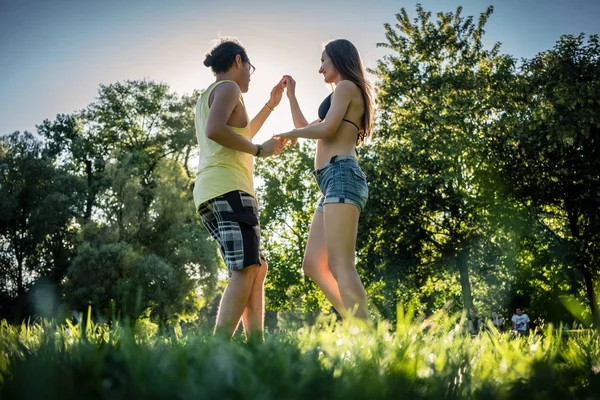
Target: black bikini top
(324, 109)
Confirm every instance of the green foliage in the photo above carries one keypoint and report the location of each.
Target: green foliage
(546, 151)
(38, 203)
(118, 281)
(108, 194)
(81, 151)
(146, 208)
(438, 94)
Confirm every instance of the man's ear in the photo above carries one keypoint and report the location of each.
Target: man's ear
(238, 60)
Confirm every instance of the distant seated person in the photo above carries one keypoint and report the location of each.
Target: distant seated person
(497, 321)
(520, 322)
(473, 323)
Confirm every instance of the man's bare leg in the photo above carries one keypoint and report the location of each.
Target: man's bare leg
(235, 299)
(253, 316)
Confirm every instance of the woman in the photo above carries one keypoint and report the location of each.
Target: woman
(345, 119)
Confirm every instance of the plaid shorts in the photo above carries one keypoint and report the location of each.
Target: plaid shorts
(233, 221)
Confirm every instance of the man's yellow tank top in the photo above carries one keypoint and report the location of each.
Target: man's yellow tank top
(220, 169)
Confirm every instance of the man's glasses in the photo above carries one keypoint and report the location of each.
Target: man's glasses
(252, 68)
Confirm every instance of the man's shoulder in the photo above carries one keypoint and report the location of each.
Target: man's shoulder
(228, 90)
(227, 87)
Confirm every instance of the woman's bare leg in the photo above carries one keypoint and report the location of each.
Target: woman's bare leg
(341, 226)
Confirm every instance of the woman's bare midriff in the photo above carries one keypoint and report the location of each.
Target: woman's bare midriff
(341, 143)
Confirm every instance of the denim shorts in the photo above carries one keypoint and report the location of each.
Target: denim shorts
(342, 181)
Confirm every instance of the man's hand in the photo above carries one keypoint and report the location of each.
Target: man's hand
(290, 84)
(273, 147)
(277, 93)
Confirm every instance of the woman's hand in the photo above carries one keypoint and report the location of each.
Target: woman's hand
(288, 136)
(277, 93)
(290, 84)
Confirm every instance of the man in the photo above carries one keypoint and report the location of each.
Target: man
(224, 187)
(473, 322)
(520, 322)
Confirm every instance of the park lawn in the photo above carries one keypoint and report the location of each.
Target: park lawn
(415, 359)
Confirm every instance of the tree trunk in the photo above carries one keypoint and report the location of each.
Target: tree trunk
(463, 268)
(185, 162)
(591, 294)
(90, 195)
(20, 289)
(581, 258)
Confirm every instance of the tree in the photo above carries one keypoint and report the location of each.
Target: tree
(38, 203)
(180, 121)
(132, 148)
(548, 152)
(439, 93)
(132, 114)
(81, 150)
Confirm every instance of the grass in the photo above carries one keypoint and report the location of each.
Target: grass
(416, 359)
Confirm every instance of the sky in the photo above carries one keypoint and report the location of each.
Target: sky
(55, 53)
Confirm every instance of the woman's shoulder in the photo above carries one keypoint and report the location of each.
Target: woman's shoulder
(347, 89)
(346, 85)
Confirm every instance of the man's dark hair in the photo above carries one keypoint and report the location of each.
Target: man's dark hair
(222, 56)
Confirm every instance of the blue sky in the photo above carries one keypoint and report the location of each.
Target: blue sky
(56, 53)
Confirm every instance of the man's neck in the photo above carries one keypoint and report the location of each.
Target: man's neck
(226, 77)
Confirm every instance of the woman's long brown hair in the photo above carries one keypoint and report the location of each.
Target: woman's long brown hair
(347, 61)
